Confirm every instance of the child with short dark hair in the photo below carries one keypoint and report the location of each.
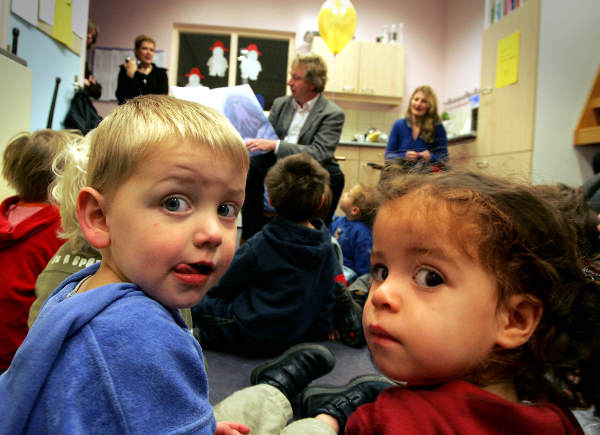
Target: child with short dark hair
(109, 352)
(29, 227)
(278, 290)
(486, 318)
(353, 231)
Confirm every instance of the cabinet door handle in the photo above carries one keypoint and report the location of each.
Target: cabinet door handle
(483, 164)
(486, 91)
(374, 165)
(348, 88)
(368, 91)
(339, 157)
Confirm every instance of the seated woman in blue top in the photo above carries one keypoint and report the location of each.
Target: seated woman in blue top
(420, 136)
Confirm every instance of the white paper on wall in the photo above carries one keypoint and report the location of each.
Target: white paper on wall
(26, 9)
(79, 20)
(47, 11)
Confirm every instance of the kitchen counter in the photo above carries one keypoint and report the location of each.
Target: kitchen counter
(363, 144)
(462, 137)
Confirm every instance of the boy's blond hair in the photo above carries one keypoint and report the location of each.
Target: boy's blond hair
(28, 160)
(365, 198)
(131, 133)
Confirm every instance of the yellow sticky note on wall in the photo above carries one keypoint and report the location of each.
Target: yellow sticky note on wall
(62, 29)
(507, 62)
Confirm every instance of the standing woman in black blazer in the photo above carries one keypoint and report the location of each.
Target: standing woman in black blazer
(140, 76)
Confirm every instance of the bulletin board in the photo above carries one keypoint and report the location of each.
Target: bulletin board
(63, 20)
(105, 66)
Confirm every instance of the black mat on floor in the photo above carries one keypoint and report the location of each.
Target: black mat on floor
(228, 373)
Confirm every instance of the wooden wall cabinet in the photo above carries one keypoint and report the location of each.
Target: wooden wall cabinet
(364, 71)
(506, 115)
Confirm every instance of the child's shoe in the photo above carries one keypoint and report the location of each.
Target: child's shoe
(340, 402)
(293, 370)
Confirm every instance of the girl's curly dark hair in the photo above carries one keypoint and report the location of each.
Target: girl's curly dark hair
(529, 246)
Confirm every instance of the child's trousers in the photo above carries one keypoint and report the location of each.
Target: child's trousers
(266, 411)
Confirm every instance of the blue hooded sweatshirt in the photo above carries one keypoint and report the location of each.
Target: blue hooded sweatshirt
(109, 360)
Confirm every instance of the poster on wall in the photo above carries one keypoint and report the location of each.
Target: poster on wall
(263, 66)
(208, 53)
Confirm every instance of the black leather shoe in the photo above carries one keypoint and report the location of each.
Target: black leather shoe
(340, 402)
(293, 370)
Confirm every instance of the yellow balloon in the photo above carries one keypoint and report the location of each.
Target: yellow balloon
(337, 22)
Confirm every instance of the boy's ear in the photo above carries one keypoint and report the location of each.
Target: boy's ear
(355, 211)
(91, 212)
(520, 317)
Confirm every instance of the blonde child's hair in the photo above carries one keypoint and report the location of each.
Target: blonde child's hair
(365, 198)
(28, 160)
(110, 153)
(526, 243)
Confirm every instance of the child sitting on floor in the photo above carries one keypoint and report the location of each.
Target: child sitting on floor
(353, 231)
(486, 318)
(28, 230)
(278, 290)
(109, 352)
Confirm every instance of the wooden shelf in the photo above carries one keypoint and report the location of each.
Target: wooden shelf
(588, 127)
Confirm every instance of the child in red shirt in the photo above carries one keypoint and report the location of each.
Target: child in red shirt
(479, 309)
(28, 230)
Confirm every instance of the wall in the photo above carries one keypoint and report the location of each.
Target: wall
(463, 45)
(424, 32)
(47, 59)
(567, 66)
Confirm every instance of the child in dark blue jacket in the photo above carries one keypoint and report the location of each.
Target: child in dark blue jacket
(353, 231)
(278, 290)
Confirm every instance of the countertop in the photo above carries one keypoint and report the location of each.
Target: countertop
(363, 144)
(451, 141)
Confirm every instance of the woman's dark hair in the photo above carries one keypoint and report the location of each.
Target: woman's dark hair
(530, 248)
(298, 187)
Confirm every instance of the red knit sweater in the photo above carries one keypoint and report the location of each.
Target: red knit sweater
(457, 408)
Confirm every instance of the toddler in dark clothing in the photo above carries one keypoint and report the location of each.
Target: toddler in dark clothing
(353, 231)
(278, 290)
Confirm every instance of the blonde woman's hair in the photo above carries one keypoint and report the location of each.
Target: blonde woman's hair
(431, 118)
(111, 152)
